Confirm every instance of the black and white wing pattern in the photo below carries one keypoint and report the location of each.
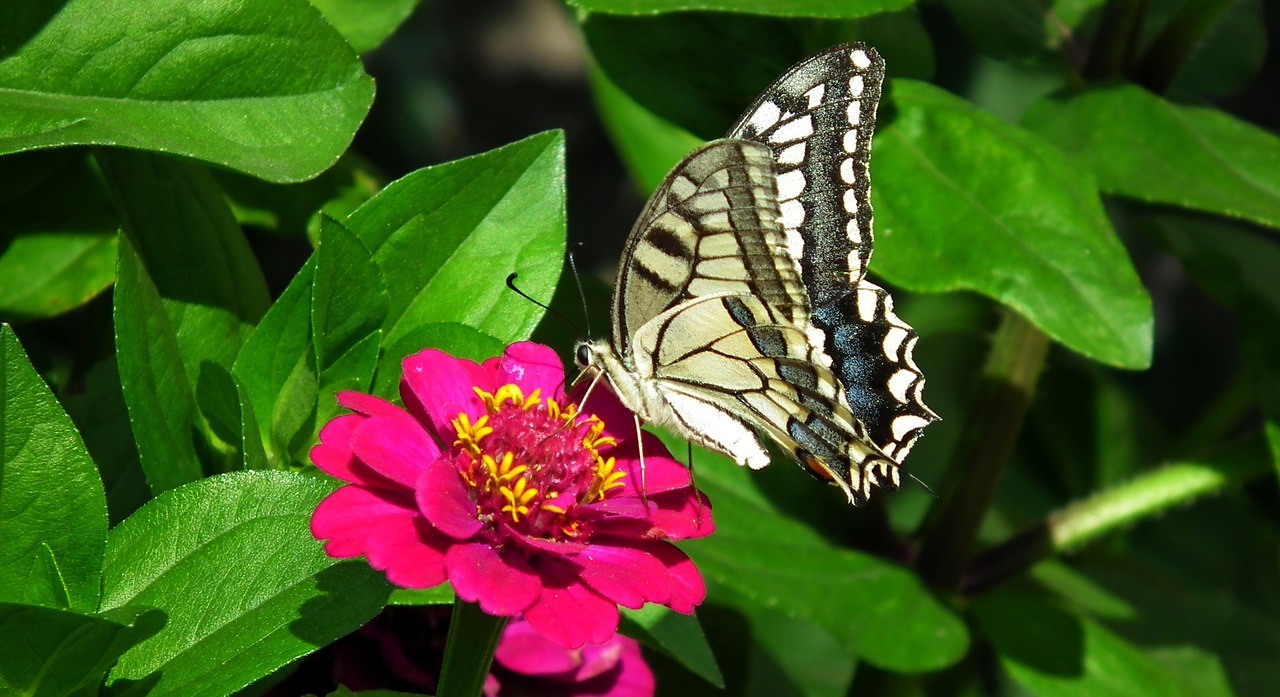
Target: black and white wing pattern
(741, 306)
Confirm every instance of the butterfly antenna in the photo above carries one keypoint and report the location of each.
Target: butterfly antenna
(923, 485)
(511, 283)
(693, 482)
(582, 295)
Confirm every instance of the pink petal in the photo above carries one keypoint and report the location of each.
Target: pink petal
(344, 518)
(531, 367)
(410, 552)
(635, 679)
(333, 454)
(437, 387)
(619, 421)
(570, 614)
(659, 473)
(687, 589)
(395, 445)
(629, 577)
(445, 500)
(503, 584)
(525, 651)
(367, 404)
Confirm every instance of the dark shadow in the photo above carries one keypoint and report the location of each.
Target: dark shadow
(21, 21)
(351, 593)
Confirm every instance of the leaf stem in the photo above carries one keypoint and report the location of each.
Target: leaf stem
(468, 652)
(990, 430)
(1144, 496)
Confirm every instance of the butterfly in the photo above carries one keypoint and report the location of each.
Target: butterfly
(741, 303)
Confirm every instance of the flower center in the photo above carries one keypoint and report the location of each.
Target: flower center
(529, 461)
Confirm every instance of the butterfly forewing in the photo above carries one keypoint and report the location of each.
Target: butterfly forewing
(825, 203)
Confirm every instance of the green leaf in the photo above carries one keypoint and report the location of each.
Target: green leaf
(266, 87)
(447, 236)
(1051, 653)
(277, 372)
(437, 595)
(53, 513)
(293, 210)
(348, 307)
(58, 236)
(779, 8)
(60, 651)
(964, 201)
(1215, 48)
(365, 24)
(649, 144)
(159, 396)
(457, 340)
(876, 610)
(678, 636)
(245, 587)
(1192, 157)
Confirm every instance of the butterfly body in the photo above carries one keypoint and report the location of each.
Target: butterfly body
(741, 306)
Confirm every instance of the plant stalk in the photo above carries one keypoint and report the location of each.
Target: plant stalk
(468, 652)
(990, 430)
(1106, 511)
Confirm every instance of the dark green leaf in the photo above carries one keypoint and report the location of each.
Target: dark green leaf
(293, 210)
(160, 398)
(53, 513)
(446, 237)
(266, 87)
(96, 405)
(766, 558)
(648, 58)
(1215, 48)
(271, 595)
(60, 651)
(1192, 157)
(1014, 29)
(964, 201)
(1051, 653)
(365, 23)
(58, 235)
(780, 8)
(678, 636)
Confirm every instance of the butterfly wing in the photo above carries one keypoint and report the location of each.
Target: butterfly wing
(818, 120)
(711, 325)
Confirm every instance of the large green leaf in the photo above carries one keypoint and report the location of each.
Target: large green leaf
(53, 513)
(60, 651)
(780, 8)
(1144, 147)
(876, 610)
(263, 86)
(446, 237)
(58, 235)
(1051, 653)
(964, 201)
(245, 587)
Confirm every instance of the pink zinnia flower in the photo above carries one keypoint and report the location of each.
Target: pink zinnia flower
(527, 664)
(490, 479)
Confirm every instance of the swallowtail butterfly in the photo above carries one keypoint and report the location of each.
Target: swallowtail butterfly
(741, 303)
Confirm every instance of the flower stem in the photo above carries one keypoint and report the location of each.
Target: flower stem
(468, 652)
(1105, 511)
(1013, 367)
